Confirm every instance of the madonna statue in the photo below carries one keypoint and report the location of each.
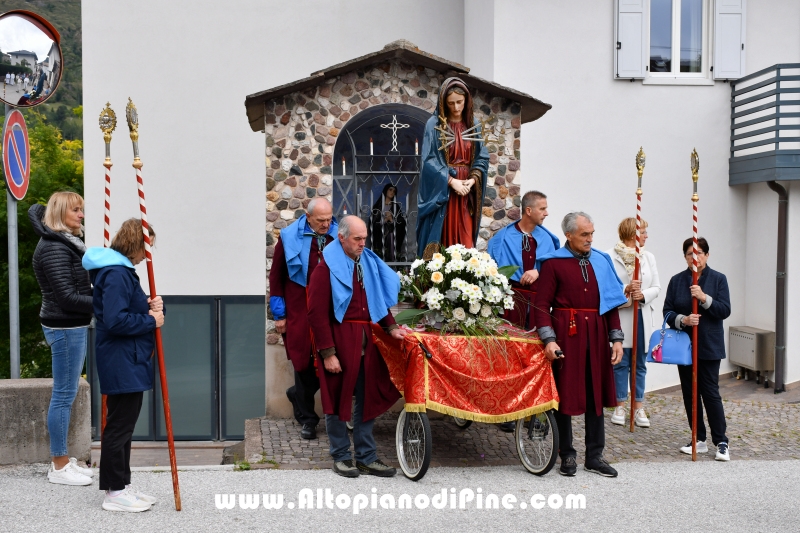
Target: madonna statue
(453, 178)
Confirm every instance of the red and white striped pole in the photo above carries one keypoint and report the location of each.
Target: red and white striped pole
(695, 163)
(640, 161)
(108, 122)
(133, 125)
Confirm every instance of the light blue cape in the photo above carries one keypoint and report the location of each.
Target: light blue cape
(612, 293)
(506, 246)
(296, 239)
(381, 282)
(97, 257)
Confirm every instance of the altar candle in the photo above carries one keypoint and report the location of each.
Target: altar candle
(344, 170)
(416, 146)
(370, 146)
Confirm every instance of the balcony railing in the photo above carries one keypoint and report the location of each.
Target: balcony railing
(765, 125)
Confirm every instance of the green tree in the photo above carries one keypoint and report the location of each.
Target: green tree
(56, 165)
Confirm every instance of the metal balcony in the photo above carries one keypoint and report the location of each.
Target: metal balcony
(765, 126)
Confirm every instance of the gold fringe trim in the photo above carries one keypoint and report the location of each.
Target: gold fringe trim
(477, 417)
(527, 341)
(415, 407)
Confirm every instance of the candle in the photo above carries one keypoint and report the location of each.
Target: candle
(416, 146)
(344, 169)
(370, 146)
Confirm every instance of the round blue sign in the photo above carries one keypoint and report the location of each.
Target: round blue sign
(16, 154)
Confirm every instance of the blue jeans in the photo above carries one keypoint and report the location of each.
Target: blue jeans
(363, 441)
(622, 370)
(69, 351)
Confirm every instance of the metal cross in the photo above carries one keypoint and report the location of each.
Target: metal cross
(394, 126)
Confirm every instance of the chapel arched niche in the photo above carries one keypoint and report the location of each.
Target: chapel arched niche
(377, 148)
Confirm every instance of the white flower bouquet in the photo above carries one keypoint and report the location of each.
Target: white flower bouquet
(460, 290)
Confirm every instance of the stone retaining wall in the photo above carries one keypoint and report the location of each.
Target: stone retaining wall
(24, 437)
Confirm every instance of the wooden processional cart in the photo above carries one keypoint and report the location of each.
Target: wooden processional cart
(482, 379)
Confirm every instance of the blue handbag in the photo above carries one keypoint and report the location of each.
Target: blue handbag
(670, 346)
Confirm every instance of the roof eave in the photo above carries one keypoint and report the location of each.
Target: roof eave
(531, 108)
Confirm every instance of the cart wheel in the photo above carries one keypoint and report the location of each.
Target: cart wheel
(413, 442)
(461, 423)
(537, 442)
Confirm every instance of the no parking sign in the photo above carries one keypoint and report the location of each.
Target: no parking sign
(16, 154)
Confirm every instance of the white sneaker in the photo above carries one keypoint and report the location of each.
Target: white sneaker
(68, 475)
(618, 417)
(88, 472)
(722, 452)
(144, 497)
(640, 418)
(125, 501)
(701, 448)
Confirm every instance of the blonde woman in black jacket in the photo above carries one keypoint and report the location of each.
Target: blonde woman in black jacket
(65, 315)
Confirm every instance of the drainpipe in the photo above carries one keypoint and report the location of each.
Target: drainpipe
(780, 288)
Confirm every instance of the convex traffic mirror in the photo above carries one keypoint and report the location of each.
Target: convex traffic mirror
(31, 62)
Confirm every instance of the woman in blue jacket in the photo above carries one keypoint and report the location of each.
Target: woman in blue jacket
(714, 306)
(126, 322)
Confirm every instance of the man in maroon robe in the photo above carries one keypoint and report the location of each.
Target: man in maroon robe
(518, 244)
(297, 254)
(579, 286)
(353, 288)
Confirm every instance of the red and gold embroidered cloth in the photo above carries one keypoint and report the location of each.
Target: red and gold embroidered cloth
(474, 378)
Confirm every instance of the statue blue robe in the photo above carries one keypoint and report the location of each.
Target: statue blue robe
(433, 189)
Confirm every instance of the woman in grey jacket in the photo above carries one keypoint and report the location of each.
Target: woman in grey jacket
(65, 314)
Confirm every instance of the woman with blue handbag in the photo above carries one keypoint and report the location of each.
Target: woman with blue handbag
(715, 306)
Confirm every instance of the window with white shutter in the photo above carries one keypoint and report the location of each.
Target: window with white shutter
(630, 57)
(679, 42)
(729, 18)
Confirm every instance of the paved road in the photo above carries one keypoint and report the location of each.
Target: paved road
(681, 496)
(756, 430)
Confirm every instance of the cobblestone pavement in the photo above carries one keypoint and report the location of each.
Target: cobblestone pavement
(756, 430)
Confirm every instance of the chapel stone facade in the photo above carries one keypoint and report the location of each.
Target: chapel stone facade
(302, 121)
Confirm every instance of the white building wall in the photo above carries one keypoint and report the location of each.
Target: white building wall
(479, 37)
(195, 140)
(773, 36)
(793, 285)
(762, 225)
(204, 168)
(581, 153)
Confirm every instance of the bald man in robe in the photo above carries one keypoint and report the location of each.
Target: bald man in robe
(297, 254)
(353, 288)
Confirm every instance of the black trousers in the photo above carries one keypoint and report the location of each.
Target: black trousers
(115, 448)
(306, 385)
(595, 430)
(708, 394)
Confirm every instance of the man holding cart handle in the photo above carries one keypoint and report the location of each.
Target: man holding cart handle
(579, 286)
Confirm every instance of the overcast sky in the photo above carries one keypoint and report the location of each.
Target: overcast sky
(19, 34)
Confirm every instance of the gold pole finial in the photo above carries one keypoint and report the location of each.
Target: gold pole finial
(133, 125)
(640, 161)
(108, 123)
(695, 164)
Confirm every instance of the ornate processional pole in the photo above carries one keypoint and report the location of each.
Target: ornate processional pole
(108, 123)
(133, 126)
(695, 163)
(640, 161)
